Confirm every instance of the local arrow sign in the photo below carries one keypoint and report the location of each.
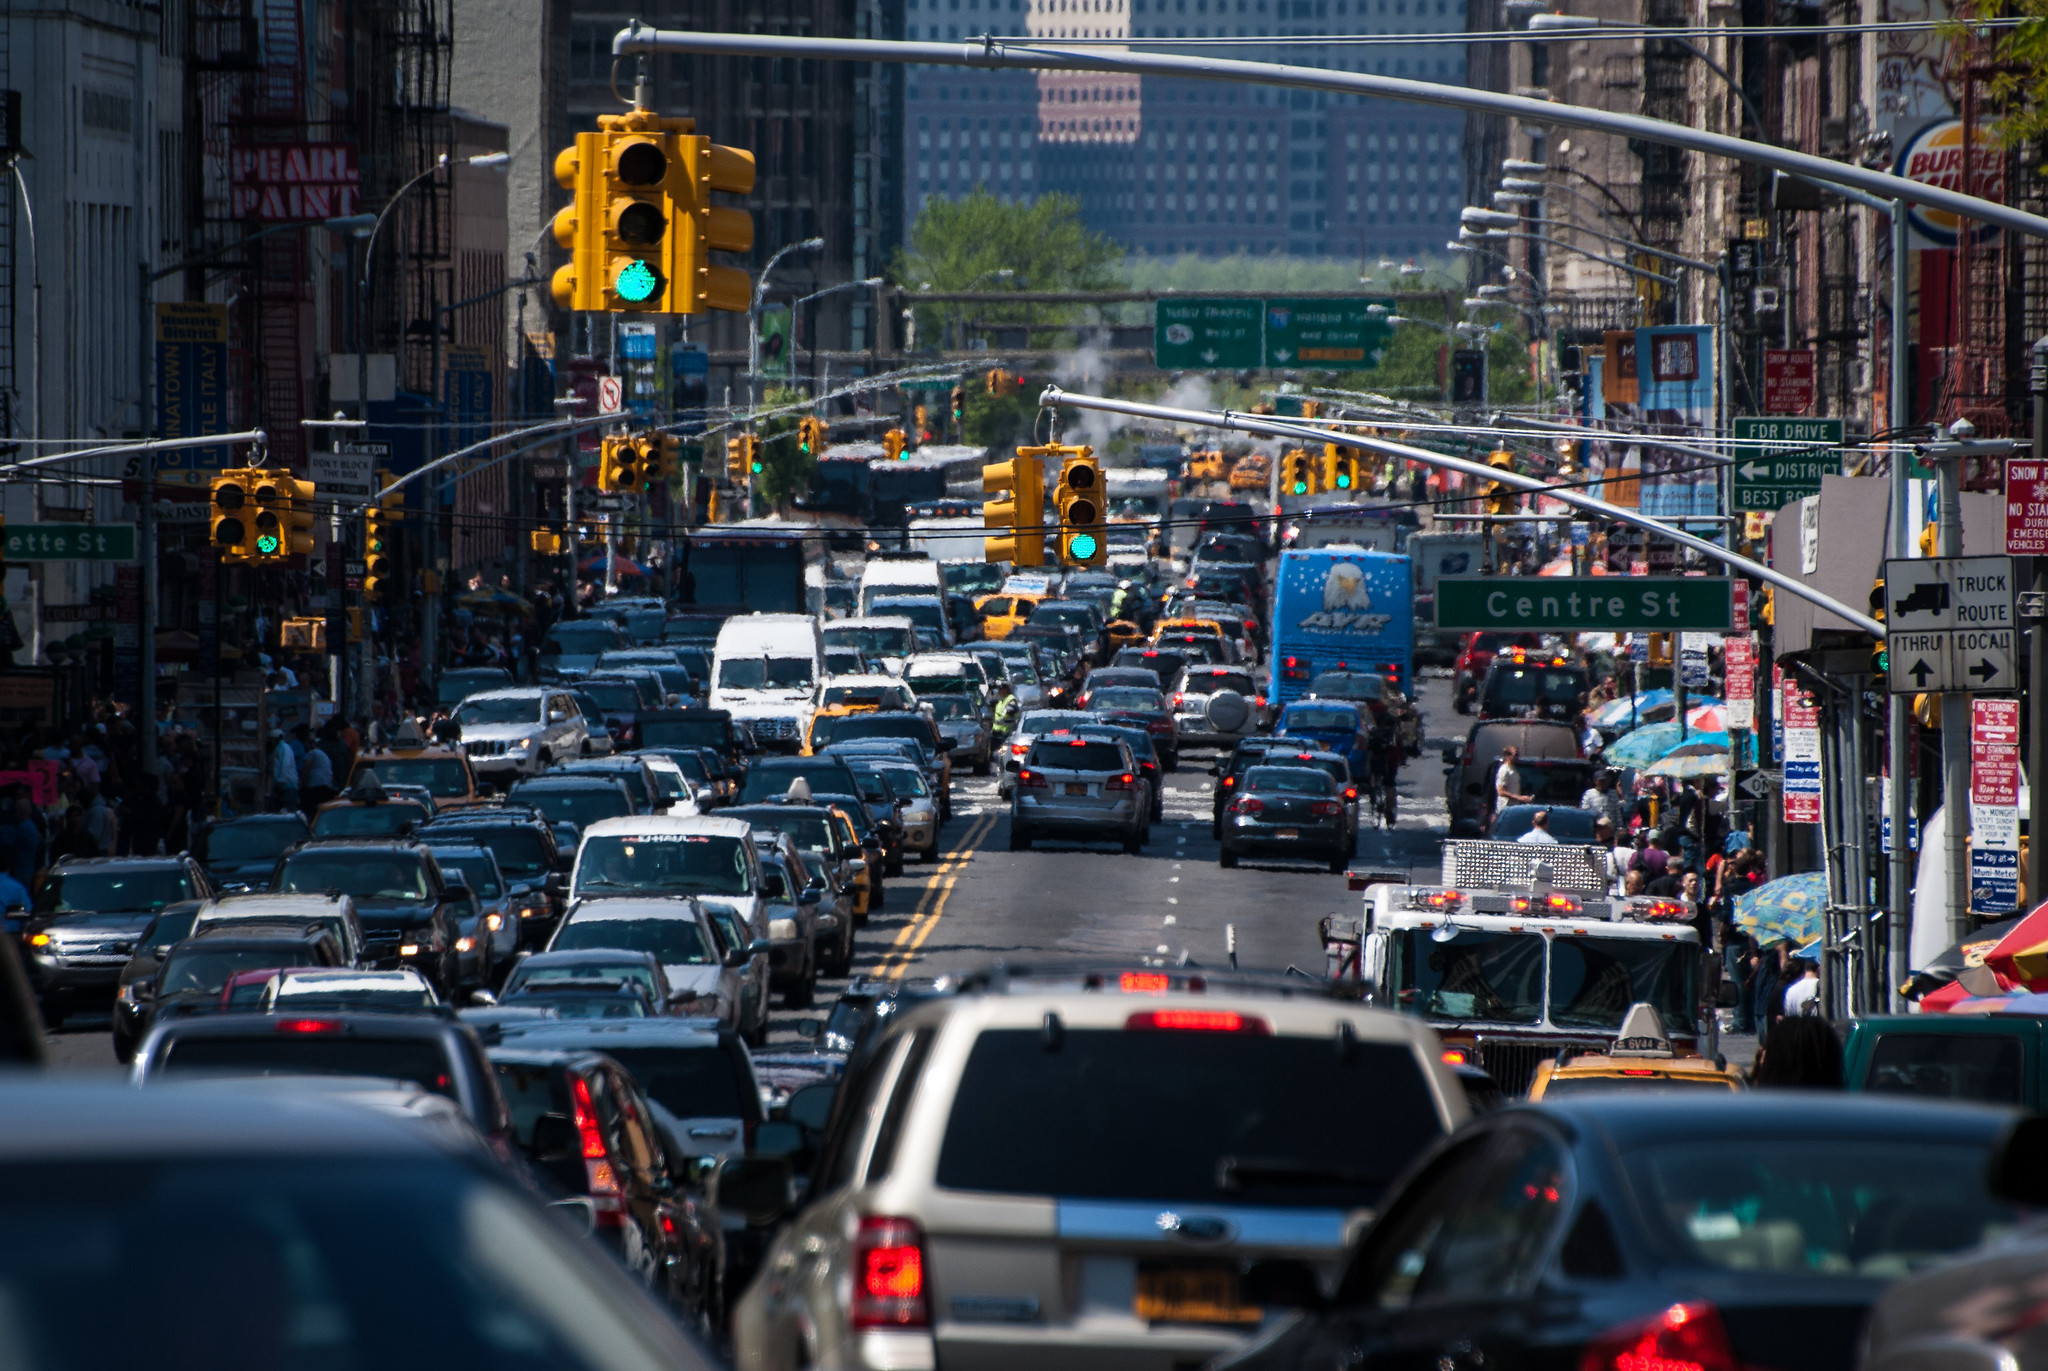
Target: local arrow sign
(1783, 461)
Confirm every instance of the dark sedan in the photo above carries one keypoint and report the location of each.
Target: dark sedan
(1288, 811)
(1611, 1231)
(1140, 707)
(239, 854)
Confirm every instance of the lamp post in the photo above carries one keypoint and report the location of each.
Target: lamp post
(1463, 330)
(1561, 25)
(867, 283)
(754, 341)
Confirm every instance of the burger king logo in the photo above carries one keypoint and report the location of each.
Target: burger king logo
(1934, 157)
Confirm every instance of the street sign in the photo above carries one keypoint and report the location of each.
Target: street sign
(611, 394)
(1951, 622)
(1994, 806)
(351, 475)
(1770, 477)
(1788, 380)
(1327, 335)
(70, 543)
(1756, 784)
(1738, 660)
(1189, 335)
(1801, 797)
(2026, 508)
(1585, 604)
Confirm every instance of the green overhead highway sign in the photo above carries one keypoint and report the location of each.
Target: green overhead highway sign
(1194, 335)
(1244, 334)
(1770, 473)
(1586, 604)
(70, 543)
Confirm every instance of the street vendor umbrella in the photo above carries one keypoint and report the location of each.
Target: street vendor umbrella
(1708, 716)
(1627, 711)
(1694, 759)
(2020, 957)
(1645, 745)
(1789, 907)
(625, 565)
(1955, 998)
(1959, 957)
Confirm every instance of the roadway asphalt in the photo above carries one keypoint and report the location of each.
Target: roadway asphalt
(1063, 901)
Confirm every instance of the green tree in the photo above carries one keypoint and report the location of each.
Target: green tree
(1000, 420)
(786, 471)
(966, 244)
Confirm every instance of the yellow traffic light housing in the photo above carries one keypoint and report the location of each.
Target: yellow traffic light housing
(1297, 473)
(299, 515)
(1500, 499)
(1880, 655)
(810, 436)
(234, 512)
(893, 444)
(1018, 509)
(634, 181)
(1340, 468)
(1659, 651)
(270, 496)
(621, 465)
(378, 568)
(1079, 494)
(698, 228)
(546, 542)
(736, 460)
(923, 424)
(959, 403)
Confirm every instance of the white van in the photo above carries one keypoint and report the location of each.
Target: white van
(913, 575)
(765, 671)
(889, 639)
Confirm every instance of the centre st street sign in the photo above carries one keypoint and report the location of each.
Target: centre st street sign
(70, 543)
(1770, 473)
(1586, 604)
(1249, 333)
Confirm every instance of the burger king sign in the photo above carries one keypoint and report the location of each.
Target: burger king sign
(1933, 156)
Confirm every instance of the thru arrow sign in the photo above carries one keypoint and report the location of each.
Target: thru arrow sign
(1920, 671)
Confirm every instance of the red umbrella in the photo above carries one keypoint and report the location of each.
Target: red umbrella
(1945, 999)
(2021, 956)
(624, 565)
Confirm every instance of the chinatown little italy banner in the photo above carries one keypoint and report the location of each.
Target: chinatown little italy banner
(1656, 381)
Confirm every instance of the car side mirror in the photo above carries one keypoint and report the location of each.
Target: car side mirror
(160, 952)
(556, 882)
(947, 744)
(760, 947)
(554, 1139)
(579, 1210)
(812, 1106)
(482, 999)
(2018, 1170)
(1451, 755)
(757, 1187)
(777, 1139)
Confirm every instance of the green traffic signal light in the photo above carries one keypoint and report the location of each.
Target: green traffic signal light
(758, 468)
(267, 544)
(638, 282)
(1081, 546)
(1343, 482)
(1301, 487)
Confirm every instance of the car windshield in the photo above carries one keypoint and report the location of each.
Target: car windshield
(808, 826)
(825, 732)
(1046, 720)
(1126, 697)
(702, 732)
(521, 852)
(442, 777)
(1309, 716)
(1497, 977)
(1854, 1208)
(365, 875)
(884, 696)
(1288, 780)
(197, 969)
(120, 891)
(662, 864)
(1210, 682)
(527, 976)
(1528, 685)
(615, 697)
(871, 642)
(673, 941)
(689, 1082)
(950, 680)
(1593, 981)
(952, 707)
(580, 806)
(1565, 825)
(506, 710)
(245, 843)
(166, 929)
(324, 996)
(570, 1003)
(585, 639)
(1950, 1066)
(1237, 1119)
(366, 821)
(647, 690)
(1081, 616)
(904, 783)
(480, 870)
(1078, 754)
(923, 613)
(1347, 685)
(766, 673)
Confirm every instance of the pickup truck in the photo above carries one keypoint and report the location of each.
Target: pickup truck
(1988, 1058)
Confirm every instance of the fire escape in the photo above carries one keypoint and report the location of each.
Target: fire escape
(409, 127)
(279, 300)
(1666, 71)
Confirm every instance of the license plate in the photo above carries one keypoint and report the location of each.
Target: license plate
(1191, 1294)
(1076, 789)
(1288, 833)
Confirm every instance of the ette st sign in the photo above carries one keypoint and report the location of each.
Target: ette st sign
(1586, 604)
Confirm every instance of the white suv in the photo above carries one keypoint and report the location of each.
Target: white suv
(1076, 1167)
(513, 733)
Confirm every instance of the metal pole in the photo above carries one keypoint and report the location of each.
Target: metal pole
(145, 644)
(1856, 828)
(1955, 724)
(2037, 670)
(1899, 723)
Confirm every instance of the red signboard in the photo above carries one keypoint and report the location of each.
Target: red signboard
(2026, 508)
(1738, 606)
(1738, 659)
(1994, 752)
(288, 183)
(1788, 380)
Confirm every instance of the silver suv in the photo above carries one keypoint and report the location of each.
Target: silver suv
(1079, 1168)
(1084, 789)
(513, 733)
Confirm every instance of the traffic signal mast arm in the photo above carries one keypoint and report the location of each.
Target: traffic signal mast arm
(1269, 427)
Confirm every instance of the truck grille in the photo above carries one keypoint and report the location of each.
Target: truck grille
(780, 728)
(1513, 1064)
(485, 749)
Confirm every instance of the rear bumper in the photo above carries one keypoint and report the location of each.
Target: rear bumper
(997, 1348)
(1267, 838)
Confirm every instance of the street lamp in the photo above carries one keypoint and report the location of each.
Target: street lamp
(1561, 24)
(754, 334)
(868, 283)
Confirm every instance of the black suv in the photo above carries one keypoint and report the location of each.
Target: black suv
(411, 915)
(89, 913)
(195, 971)
(535, 868)
(239, 854)
(712, 728)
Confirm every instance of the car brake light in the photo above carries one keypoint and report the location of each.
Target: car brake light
(1179, 699)
(1127, 781)
(1197, 1021)
(1638, 1071)
(1685, 1337)
(1229, 781)
(1144, 983)
(888, 1259)
(1326, 808)
(1028, 777)
(1016, 749)
(1250, 804)
(1350, 792)
(307, 1026)
(1454, 1056)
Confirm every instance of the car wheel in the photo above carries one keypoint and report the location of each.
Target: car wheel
(930, 854)
(896, 867)
(124, 1050)
(981, 768)
(1020, 839)
(1158, 811)
(1172, 762)
(1226, 859)
(546, 760)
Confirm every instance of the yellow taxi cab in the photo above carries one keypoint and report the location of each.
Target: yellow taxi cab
(1205, 628)
(1641, 1059)
(865, 694)
(1004, 611)
(441, 768)
(1208, 465)
(871, 869)
(1251, 472)
(1123, 633)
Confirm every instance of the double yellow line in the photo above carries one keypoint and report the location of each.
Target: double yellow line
(932, 903)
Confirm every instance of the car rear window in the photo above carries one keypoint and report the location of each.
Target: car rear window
(689, 1082)
(1947, 1066)
(1292, 780)
(1076, 755)
(312, 1054)
(1209, 682)
(1191, 1117)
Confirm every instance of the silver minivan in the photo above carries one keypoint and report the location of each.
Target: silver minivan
(1093, 1168)
(1083, 789)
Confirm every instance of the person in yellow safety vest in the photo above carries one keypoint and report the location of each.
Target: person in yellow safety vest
(1007, 710)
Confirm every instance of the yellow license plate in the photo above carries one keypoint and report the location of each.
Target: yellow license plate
(1191, 1294)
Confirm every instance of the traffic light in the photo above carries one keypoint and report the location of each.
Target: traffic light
(699, 228)
(272, 495)
(736, 458)
(1500, 499)
(996, 380)
(1880, 655)
(665, 460)
(299, 515)
(1659, 650)
(959, 405)
(233, 512)
(1018, 509)
(1311, 409)
(893, 443)
(923, 425)
(1297, 472)
(1340, 468)
(646, 450)
(378, 568)
(618, 465)
(547, 542)
(810, 436)
(1079, 493)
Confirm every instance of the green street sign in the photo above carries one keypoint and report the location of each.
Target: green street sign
(1769, 478)
(1193, 335)
(1326, 335)
(70, 543)
(1585, 604)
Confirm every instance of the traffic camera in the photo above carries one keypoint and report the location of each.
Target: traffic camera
(1018, 509)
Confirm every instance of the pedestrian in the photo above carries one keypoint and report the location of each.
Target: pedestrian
(1603, 799)
(1670, 883)
(1507, 780)
(284, 775)
(101, 823)
(316, 778)
(21, 837)
(1539, 830)
(1769, 983)
(1803, 995)
(1802, 1052)
(71, 839)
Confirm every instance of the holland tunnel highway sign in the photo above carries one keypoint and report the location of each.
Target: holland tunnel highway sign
(1586, 604)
